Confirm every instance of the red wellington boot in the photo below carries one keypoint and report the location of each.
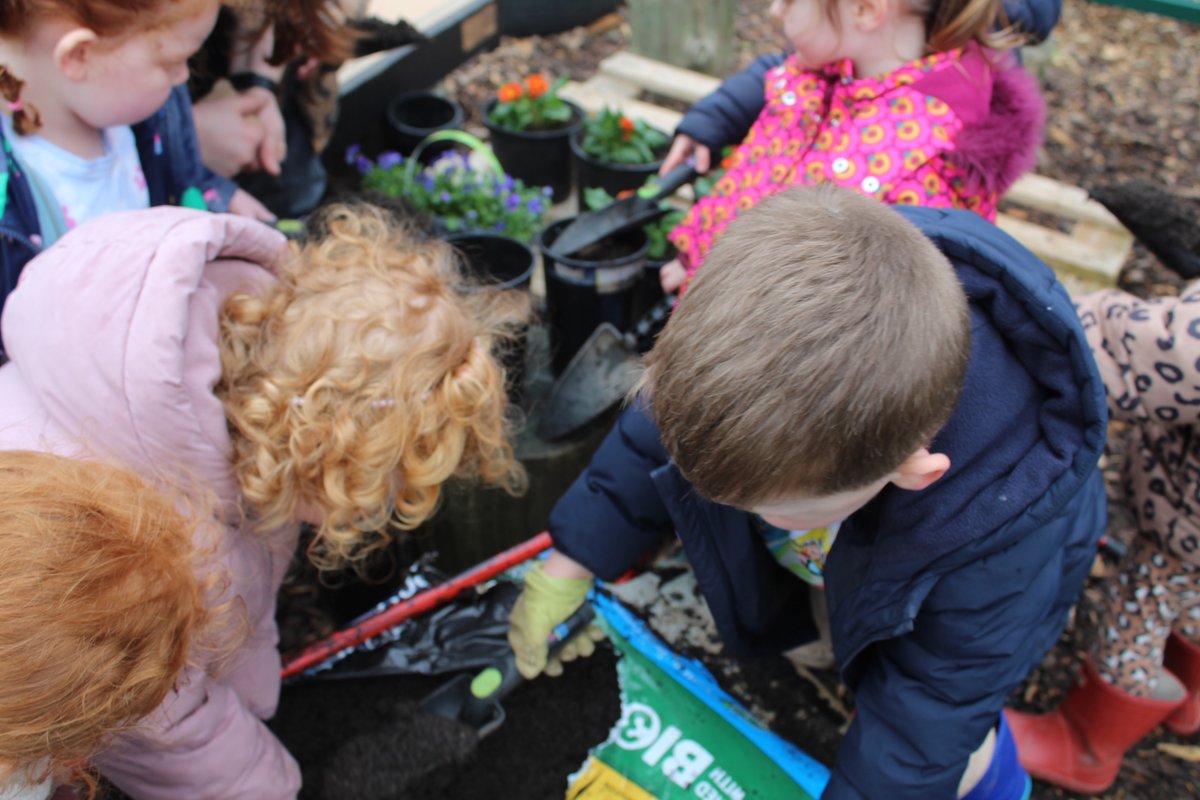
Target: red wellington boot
(1079, 745)
(1183, 659)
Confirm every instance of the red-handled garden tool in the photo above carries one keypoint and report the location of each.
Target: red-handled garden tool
(369, 627)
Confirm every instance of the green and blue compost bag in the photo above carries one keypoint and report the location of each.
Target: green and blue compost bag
(680, 735)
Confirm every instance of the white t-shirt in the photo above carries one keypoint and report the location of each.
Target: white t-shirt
(86, 188)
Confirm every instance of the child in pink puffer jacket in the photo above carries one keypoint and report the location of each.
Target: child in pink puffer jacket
(338, 383)
(907, 101)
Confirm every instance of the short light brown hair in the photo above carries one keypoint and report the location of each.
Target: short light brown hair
(824, 342)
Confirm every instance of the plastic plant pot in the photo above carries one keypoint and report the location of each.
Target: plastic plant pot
(591, 172)
(414, 115)
(537, 157)
(542, 17)
(649, 289)
(498, 262)
(584, 290)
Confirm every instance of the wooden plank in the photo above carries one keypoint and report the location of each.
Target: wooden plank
(1064, 253)
(677, 83)
(615, 87)
(593, 100)
(1046, 194)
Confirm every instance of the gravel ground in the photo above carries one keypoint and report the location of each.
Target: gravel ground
(1123, 91)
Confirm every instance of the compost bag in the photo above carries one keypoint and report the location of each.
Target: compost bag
(680, 735)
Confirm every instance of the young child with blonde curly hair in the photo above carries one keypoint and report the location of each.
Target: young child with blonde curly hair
(99, 610)
(339, 382)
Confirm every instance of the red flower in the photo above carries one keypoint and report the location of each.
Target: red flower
(536, 85)
(509, 92)
(626, 127)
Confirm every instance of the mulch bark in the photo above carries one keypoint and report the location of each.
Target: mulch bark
(1123, 90)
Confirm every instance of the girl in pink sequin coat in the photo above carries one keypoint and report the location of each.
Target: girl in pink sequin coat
(909, 104)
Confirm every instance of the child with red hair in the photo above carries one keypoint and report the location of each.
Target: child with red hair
(98, 614)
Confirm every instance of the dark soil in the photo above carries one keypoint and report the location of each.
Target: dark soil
(371, 740)
(1124, 95)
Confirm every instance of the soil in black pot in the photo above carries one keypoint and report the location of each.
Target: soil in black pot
(594, 286)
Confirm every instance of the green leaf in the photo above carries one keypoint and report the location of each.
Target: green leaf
(595, 197)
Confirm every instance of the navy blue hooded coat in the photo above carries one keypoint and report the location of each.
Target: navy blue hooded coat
(940, 600)
(725, 116)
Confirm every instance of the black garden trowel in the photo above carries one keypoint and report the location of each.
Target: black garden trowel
(474, 699)
(600, 374)
(634, 211)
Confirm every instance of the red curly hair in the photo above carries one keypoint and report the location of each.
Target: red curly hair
(108, 18)
(99, 608)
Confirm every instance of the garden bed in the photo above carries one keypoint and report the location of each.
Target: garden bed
(1124, 104)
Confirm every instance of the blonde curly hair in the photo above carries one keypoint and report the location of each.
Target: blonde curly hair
(362, 380)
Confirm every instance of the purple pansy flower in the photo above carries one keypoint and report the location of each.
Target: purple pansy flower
(389, 159)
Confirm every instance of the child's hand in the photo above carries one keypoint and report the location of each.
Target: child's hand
(553, 590)
(682, 148)
(671, 276)
(245, 204)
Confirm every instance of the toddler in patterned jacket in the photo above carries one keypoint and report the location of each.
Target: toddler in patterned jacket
(909, 101)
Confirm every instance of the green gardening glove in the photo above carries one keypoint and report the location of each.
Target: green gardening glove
(544, 604)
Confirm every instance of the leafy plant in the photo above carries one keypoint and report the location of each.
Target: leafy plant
(612, 137)
(531, 105)
(660, 246)
(460, 193)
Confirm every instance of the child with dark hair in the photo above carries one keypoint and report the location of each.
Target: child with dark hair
(913, 373)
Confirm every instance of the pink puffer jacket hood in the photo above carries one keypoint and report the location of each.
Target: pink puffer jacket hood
(112, 339)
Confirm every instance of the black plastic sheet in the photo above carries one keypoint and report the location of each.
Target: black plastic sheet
(467, 633)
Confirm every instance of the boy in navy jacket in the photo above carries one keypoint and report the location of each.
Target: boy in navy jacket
(912, 374)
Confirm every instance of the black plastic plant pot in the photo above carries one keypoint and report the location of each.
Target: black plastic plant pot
(591, 172)
(414, 115)
(649, 289)
(499, 262)
(589, 288)
(542, 17)
(539, 158)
